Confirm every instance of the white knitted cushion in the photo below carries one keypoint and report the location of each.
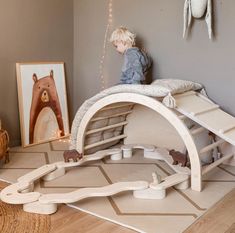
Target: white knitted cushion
(174, 86)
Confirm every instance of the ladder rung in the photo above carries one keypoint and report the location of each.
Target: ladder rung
(185, 94)
(211, 146)
(197, 131)
(111, 116)
(106, 127)
(105, 141)
(116, 106)
(209, 109)
(225, 130)
(216, 163)
(182, 117)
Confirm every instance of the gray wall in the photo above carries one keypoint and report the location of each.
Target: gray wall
(159, 24)
(32, 30)
(73, 31)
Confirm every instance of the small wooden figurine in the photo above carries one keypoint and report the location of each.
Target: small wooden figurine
(156, 178)
(72, 154)
(179, 157)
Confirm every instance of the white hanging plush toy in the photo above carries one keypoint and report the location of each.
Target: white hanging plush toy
(196, 9)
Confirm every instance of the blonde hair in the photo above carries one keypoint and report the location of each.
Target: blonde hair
(124, 35)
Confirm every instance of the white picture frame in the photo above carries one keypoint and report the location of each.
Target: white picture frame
(42, 100)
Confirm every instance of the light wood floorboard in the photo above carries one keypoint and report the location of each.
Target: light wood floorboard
(218, 219)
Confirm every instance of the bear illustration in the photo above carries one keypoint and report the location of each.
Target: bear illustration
(44, 95)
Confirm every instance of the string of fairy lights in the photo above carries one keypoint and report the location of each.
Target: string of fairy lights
(107, 31)
(102, 60)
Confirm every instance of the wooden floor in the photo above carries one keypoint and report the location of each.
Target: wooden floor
(219, 219)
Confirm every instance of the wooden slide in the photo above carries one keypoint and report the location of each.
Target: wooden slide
(210, 117)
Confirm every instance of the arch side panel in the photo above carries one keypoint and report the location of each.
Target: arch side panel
(159, 108)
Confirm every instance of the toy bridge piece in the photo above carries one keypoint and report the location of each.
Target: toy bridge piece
(47, 204)
(157, 190)
(22, 191)
(60, 166)
(127, 149)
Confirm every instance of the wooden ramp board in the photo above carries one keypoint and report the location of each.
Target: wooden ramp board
(170, 181)
(207, 114)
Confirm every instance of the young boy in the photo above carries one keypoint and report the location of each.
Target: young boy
(136, 62)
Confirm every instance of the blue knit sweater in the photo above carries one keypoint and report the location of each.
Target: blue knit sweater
(135, 67)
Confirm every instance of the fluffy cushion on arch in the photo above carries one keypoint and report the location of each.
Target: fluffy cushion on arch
(169, 87)
(175, 86)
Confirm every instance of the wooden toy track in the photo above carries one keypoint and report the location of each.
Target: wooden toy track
(35, 202)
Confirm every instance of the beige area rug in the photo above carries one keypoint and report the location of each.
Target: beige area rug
(171, 215)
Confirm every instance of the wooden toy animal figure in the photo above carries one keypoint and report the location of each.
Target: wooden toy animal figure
(196, 9)
(44, 96)
(179, 157)
(71, 154)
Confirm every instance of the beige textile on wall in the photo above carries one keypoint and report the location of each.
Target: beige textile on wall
(196, 9)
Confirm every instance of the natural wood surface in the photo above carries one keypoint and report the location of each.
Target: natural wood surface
(64, 220)
(219, 219)
(73, 221)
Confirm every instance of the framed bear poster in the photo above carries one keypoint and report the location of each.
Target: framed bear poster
(42, 102)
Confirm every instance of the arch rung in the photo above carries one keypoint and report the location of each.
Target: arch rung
(111, 116)
(116, 106)
(197, 130)
(106, 127)
(105, 141)
(182, 117)
(211, 146)
(208, 168)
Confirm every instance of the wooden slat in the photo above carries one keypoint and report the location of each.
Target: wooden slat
(106, 127)
(226, 129)
(105, 141)
(197, 131)
(209, 109)
(185, 94)
(182, 117)
(211, 146)
(116, 106)
(111, 116)
(208, 168)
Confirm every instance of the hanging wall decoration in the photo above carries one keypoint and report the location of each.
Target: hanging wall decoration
(197, 9)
